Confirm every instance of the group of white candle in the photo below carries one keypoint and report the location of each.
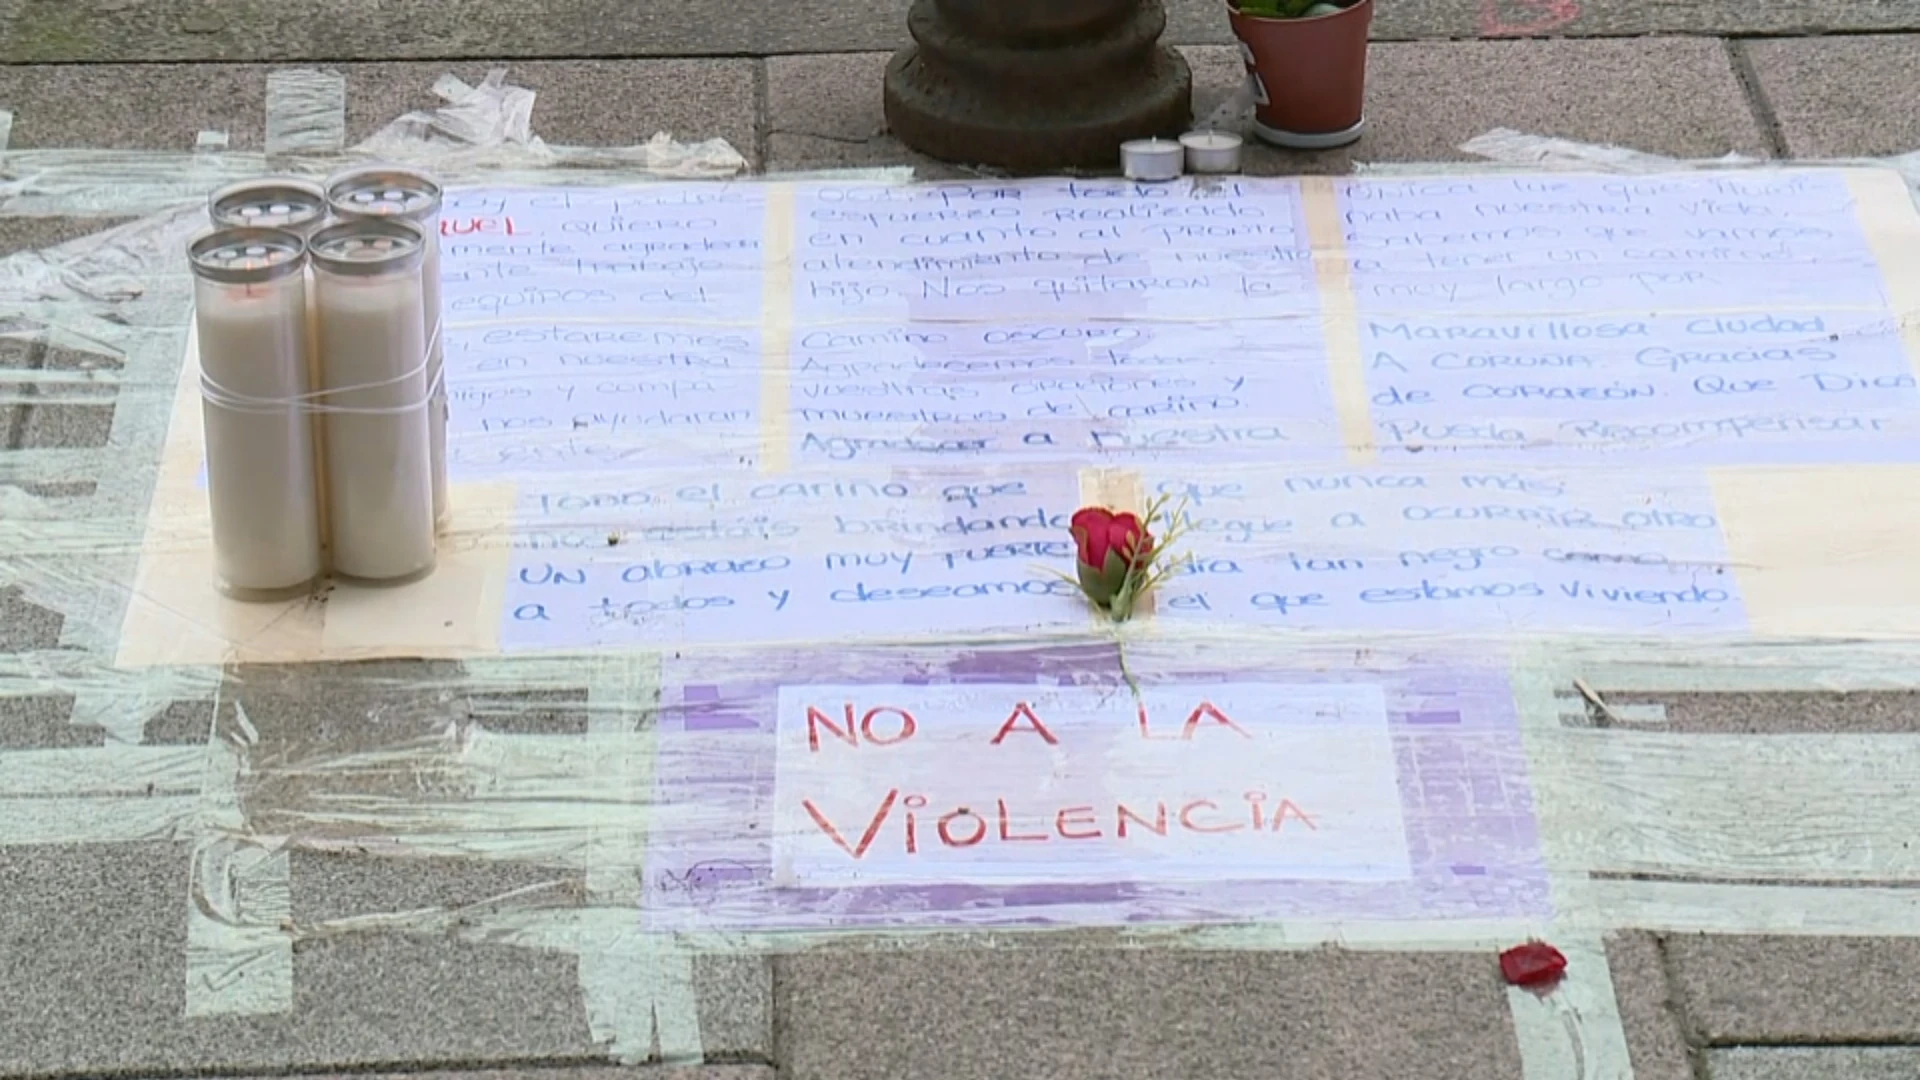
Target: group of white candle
(1159, 160)
(325, 407)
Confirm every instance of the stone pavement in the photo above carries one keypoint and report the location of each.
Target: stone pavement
(98, 940)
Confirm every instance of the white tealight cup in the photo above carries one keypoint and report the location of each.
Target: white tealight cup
(1212, 151)
(1151, 160)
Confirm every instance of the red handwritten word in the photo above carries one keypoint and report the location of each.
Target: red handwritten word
(1024, 711)
(850, 735)
(1021, 719)
(481, 225)
(1206, 710)
(1535, 17)
(964, 827)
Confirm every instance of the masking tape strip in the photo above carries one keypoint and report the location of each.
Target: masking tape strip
(1744, 808)
(114, 770)
(1888, 219)
(1836, 667)
(59, 672)
(637, 988)
(6, 129)
(620, 696)
(239, 955)
(1818, 550)
(143, 354)
(1590, 908)
(1822, 551)
(776, 330)
(1574, 1030)
(118, 793)
(1339, 315)
(306, 112)
(639, 996)
(96, 819)
(630, 977)
(1116, 489)
(240, 893)
(1684, 907)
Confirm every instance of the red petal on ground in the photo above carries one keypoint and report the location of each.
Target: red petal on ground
(1534, 964)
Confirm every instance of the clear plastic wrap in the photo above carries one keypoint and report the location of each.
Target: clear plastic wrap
(675, 662)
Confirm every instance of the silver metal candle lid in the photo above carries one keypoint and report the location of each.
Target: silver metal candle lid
(247, 256)
(368, 247)
(381, 192)
(276, 202)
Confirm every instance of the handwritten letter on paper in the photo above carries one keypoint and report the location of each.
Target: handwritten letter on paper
(1700, 318)
(714, 441)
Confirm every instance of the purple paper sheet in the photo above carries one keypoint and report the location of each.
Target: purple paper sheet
(1460, 770)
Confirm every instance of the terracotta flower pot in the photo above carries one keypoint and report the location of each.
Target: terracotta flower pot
(1310, 75)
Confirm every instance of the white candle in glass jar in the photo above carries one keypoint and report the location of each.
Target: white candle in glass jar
(375, 401)
(250, 314)
(407, 195)
(271, 202)
(297, 206)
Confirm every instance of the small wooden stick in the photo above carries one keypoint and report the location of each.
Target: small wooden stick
(1595, 700)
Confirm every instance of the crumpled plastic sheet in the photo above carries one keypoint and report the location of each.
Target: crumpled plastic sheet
(490, 126)
(481, 131)
(643, 780)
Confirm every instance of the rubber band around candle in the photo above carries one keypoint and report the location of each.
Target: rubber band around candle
(310, 403)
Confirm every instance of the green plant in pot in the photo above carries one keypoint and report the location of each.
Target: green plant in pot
(1290, 9)
(1307, 60)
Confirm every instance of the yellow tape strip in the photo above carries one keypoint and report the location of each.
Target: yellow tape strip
(776, 332)
(1891, 224)
(1820, 550)
(1339, 315)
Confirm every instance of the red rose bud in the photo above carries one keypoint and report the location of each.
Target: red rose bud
(1108, 546)
(1534, 964)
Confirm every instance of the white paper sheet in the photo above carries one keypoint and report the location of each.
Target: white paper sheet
(1018, 783)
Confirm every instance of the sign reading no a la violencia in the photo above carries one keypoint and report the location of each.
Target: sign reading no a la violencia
(1005, 784)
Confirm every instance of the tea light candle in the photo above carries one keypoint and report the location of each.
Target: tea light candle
(414, 197)
(1212, 151)
(373, 352)
(1151, 160)
(250, 311)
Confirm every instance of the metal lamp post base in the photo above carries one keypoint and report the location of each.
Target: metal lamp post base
(996, 86)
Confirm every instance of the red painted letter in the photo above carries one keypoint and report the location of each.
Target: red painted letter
(1287, 807)
(817, 720)
(1144, 733)
(1024, 710)
(1207, 710)
(1083, 815)
(1158, 824)
(1006, 825)
(907, 725)
(1187, 822)
(946, 833)
(866, 838)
